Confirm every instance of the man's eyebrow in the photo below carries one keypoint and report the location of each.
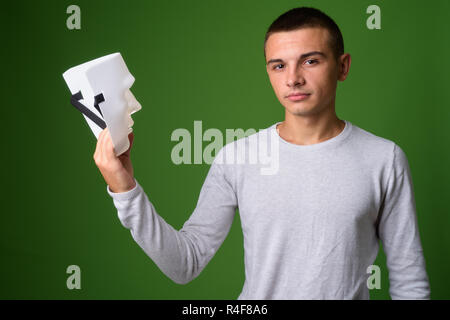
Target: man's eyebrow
(303, 56)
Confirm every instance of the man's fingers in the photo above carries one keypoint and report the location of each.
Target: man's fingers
(98, 145)
(104, 151)
(102, 133)
(102, 140)
(108, 147)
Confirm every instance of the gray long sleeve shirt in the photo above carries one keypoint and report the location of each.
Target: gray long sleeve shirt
(311, 224)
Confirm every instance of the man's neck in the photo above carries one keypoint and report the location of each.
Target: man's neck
(307, 130)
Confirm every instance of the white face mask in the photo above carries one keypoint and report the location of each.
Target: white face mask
(101, 91)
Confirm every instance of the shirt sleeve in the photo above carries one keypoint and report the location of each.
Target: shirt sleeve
(399, 233)
(181, 254)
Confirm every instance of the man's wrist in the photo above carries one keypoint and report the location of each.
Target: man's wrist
(123, 189)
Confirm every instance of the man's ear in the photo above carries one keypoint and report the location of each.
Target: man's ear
(344, 62)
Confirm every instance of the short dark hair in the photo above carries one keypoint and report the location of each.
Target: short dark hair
(305, 17)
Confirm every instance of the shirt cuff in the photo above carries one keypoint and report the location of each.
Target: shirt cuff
(127, 194)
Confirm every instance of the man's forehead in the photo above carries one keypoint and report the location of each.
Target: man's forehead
(297, 41)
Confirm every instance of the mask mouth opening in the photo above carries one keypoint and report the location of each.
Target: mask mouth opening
(130, 122)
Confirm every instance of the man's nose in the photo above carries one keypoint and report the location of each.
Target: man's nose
(295, 78)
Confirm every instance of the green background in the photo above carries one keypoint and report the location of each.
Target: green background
(193, 60)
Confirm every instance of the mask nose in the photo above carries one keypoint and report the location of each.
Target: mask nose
(132, 104)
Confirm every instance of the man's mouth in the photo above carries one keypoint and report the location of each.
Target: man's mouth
(298, 96)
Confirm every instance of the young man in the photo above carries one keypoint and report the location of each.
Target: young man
(311, 229)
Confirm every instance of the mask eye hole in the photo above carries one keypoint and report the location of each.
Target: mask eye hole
(97, 100)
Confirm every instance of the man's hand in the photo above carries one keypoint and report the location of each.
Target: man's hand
(117, 171)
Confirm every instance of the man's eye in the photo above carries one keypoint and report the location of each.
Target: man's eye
(276, 67)
(313, 61)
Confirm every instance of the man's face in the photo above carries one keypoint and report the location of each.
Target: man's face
(302, 61)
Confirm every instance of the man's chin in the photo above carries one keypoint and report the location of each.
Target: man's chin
(301, 110)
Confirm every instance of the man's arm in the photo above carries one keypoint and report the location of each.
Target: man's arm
(399, 233)
(183, 254)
